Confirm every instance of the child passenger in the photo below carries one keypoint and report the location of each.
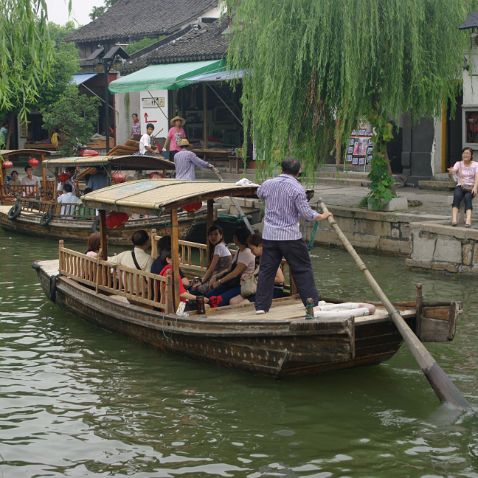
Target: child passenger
(221, 259)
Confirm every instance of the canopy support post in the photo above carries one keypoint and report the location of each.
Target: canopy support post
(175, 256)
(103, 235)
(204, 105)
(210, 222)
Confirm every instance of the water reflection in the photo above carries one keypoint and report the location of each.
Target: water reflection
(76, 400)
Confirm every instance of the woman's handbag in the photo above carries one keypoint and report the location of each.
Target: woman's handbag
(249, 283)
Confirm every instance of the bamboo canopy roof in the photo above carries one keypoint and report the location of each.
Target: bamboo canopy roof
(9, 153)
(147, 195)
(118, 162)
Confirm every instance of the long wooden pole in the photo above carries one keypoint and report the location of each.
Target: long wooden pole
(441, 383)
(236, 205)
(103, 235)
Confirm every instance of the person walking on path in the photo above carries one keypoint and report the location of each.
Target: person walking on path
(175, 134)
(135, 127)
(286, 203)
(466, 173)
(185, 161)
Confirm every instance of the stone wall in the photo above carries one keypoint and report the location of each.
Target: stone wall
(387, 232)
(442, 247)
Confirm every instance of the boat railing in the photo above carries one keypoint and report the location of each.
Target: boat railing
(136, 286)
(194, 256)
(76, 211)
(35, 205)
(14, 191)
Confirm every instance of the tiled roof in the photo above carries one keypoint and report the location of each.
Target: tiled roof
(134, 19)
(206, 41)
(470, 22)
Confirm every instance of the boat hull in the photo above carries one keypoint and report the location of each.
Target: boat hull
(81, 230)
(278, 348)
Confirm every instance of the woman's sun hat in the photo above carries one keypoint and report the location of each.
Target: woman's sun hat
(176, 118)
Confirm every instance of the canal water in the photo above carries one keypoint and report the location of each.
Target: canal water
(79, 401)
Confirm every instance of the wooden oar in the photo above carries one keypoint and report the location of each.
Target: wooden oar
(441, 383)
(236, 204)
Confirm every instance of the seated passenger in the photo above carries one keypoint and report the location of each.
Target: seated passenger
(138, 258)
(67, 199)
(229, 284)
(255, 244)
(164, 247)
(221, 259)
(93, 246)
(184, 295)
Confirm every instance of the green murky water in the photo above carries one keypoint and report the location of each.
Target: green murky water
(79, 401)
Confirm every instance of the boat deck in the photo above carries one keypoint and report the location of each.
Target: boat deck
(286, 309)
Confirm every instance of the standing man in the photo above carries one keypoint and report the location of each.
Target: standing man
(145, 141)
(286, 202)
(185, 161)
(135, 127)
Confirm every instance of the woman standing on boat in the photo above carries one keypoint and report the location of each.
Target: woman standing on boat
(466, 174)
(286, 203)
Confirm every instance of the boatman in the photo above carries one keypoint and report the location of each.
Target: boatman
(185, 162)
(286, 203)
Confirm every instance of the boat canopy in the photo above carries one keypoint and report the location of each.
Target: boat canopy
(135, 162)
(10, 153)
(145, 196)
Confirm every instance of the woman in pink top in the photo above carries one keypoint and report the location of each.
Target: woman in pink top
(466, 175)
(175, 134)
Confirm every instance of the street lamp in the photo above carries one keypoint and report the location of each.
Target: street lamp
(108, 61)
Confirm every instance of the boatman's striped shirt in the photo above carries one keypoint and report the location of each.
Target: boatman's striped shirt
(286, 203)
(185, 162)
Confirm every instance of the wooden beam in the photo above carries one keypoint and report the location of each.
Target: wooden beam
(154, 244)
(175, 255)
(443, 137)
(210, 222)
(204, 104)
(103, 235)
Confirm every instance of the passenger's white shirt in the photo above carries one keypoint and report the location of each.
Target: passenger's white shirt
(125, 258)
(67, 198)
(143, 142)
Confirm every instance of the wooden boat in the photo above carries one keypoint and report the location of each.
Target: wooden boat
(8, 193)
(41, 215)
(281, 343)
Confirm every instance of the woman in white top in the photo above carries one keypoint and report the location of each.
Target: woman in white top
(93, 246)
(466, 174)
(229, 285)
(220, 262)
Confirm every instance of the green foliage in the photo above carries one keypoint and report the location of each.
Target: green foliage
(98, 11)
(75, 116)
(26, 53)
(65, 65)
(317, 67)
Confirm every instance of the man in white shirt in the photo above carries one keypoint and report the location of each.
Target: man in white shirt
(67, 199)
(145, 141)
(32, 182)
(138, 258)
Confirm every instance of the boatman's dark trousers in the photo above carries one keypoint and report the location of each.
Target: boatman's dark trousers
(297, 256)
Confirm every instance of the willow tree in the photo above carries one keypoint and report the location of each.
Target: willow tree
(316, 68)
(26, 53)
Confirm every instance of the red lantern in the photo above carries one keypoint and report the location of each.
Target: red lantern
(114, 220)
(156, 175)
(63, 177)
(118, 177)
(33, 162)
(192, 207)
(7, 164)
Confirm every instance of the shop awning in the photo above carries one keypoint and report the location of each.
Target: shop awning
(225, 75)
(81, 78)
(164, 77)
